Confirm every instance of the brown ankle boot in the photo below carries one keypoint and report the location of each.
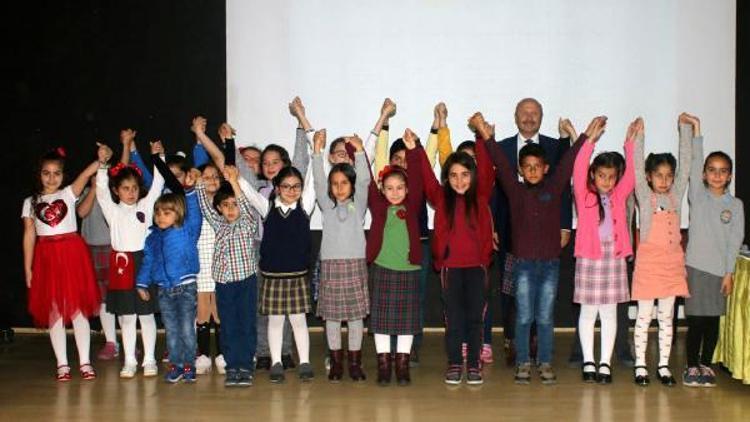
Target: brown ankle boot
(355, 365)
(337, 366)
(402, 369)
(384, 368)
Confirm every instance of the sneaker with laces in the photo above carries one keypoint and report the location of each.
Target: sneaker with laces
(691, 377)
(547, 374)
(188, 374)
(202, 365)
(128, 370)
(277, 373)
(453, 374)
(244, 377)
(63, 373)
(486, 355)
(707, 376)
(221, 364)
(231, 378)
(109, 351)
(87, 372)
(474, 376)
(523, 374)
(150, 368)
(174, 374)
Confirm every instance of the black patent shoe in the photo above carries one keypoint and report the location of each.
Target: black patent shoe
(604, 378)
(641, 380)
(668, 380)
(588, 376)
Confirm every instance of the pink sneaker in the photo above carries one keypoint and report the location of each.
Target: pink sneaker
(486, 355)
(109, 351)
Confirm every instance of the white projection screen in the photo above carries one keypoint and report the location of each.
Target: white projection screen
(579, 58)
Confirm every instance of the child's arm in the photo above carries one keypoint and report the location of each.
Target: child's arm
(485, 171)
(381, 149)
(198, 127)
(308, 193)
(226, 135)
(503, 170)
(581, 174)
(157, 186)
(736, 233)
(362, 170)
(246, 210)
(29, 240)
(200, 156)
(104, 153)
(320, 182)
(431, 147)
(301, 155)
(207, 209)
(84, 207)
(430, 185)
(193, 216)
(143, 278)
(634, 135)
(683, 167)
(414, 182)
(170, 180)
(690, 127)
(136, 159)
(387, 111)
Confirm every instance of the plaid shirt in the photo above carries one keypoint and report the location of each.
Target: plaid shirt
(235, 257)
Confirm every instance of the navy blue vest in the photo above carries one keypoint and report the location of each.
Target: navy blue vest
(287, 242)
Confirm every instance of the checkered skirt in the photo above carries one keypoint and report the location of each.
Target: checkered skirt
(507, 287)
(343, 290)
(395, 301)
(206, 258)
(284, 294)
(100, 258)
(601, 281)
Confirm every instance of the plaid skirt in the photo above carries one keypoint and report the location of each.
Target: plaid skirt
(601, 281)
(282, 294)
(343, 290)
(507, 287)
(395, 301)
(100, 257)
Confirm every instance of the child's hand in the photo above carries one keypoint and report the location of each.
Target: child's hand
(596, 128)
(388, 109)
(410, 139)
(566, 129)
(92, 182)
(127, 137)
(198, 125)
(231, 174)
(634, 129)
(192, 177)
(476, 121)
(319, 141)
(726, 284)
(157, 147)
(356, 142)
(495, 240)
(143, 293)
(296, 108)
(689, 119)
(487, 132)
(225, 131)
(442, 111)
(103, 153)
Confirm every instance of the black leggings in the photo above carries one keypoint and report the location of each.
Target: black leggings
(465, 298)
(701, 329)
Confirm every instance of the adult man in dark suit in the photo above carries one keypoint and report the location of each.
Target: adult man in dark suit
(528, 117)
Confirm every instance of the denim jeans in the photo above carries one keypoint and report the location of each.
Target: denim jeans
(536, 290)
(178, 307)
(237, 302)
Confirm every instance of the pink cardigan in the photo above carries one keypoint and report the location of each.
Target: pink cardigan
(587, 233)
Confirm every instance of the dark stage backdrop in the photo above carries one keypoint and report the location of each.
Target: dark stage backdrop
(82, 70)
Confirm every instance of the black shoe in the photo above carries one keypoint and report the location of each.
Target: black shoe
(287, 362)
(667, 380)
(604, 378)
(588, 376)
(277, 373)
(263, 362)
(641, 380)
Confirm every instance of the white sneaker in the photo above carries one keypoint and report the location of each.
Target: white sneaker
(202, 365)
(221, 364)
(150, 369)
(128, 371)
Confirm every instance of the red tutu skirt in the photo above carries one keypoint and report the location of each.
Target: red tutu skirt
(63, 282)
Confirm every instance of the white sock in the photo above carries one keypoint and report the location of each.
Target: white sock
(403, 343)
(586, 322)
(275, 335)
(608, 319)
(148, 336)
(382, 343)
(356, 331)
(301, 336)
(640, 336)
(82, 333)
(58, 339)
(108, 324)
(664, 313)
(128, 330)
(333, 334)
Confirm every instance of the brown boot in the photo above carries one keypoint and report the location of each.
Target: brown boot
(384, 369)
(402, 369)
(337, 366)
(355, 365)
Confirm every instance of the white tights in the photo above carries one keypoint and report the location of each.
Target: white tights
(148, 335)
(586, 322)
(276, 335)
(383, 343)
(82, 333)
(664, 313)
(108, 324)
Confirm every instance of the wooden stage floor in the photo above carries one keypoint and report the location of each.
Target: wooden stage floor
(28, 392)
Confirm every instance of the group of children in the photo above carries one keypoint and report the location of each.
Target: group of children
(227, 242)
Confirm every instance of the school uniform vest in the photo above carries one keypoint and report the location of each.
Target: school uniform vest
(287, 242)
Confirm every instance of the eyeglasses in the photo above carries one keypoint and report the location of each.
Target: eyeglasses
(291, 188)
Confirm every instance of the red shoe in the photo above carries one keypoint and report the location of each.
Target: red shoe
(87, 372)
(63, 373)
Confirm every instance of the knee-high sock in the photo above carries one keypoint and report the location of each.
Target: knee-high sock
(128, 330)
(356, 331)
(108, 324)
(203, 336)
(608, 319)
(301, 336)
(710, 337)
(586, 322)
(640, 336)
(275, 334)
(665, 310)
(82, 333)
(382, 343)
(58, 339)
(404, 343)
(148, 336)
(217, 336)
(333, 334)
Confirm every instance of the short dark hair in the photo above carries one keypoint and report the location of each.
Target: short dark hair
(397, 146)
(178, 160)
(467, 145)
(225, 192)
(531, 150)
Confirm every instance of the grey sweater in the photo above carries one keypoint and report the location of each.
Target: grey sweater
(343, 231)
(643, 192)
(300, 160)
(717, 223)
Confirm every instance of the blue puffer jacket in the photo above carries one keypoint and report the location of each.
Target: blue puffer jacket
(170, 257)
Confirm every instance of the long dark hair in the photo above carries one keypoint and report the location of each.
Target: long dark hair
(723, 156)
(655, 160)
(348, 171)
(125, 173)
(285, 172)
(470, 197)
(283, 154)
(609, 159)
(56, 155)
